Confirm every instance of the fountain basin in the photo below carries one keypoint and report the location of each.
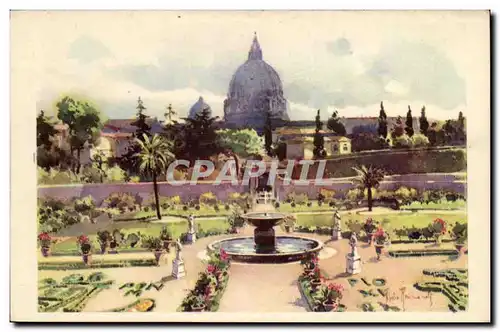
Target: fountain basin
(286, 249)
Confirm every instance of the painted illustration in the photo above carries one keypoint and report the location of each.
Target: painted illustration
(236, 163)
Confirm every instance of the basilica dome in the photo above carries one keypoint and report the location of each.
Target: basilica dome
(254, 91)
(198, 107)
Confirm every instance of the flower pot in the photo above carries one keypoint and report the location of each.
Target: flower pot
(45, 251)
(87, 259)
(166, 244)
(198, 308)
(370, 238)
(330, 306)
(158, 254)
(103, 248)
(287, 228)
(459, 247)
(438, 239)
(315, 285)
(378, 250)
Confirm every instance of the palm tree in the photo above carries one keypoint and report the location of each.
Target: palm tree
(368, 178)
(153, 157)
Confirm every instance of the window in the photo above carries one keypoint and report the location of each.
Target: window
(335, 147)
(345, 148)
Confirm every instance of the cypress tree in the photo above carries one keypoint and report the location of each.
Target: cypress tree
(409, 123)
(424, 124)
(382, 122)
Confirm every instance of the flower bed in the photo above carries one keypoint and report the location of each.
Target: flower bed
(319, 297)
(210, 285)
(140, 305)
(63, 266)
(71, 294)
(454, 287)
(423, 253)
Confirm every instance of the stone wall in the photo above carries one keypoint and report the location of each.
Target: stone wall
(100, 191)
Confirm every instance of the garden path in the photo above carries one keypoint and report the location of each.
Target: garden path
(263, 288)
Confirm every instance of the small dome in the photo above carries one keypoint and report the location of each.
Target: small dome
(198, 107)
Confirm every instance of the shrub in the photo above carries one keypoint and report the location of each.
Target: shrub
(309, 204)
(54, 177)
(216, 208)
(331, 204)
(354, 194)
(326, 194)
(115, 175)
(84, 205)
(185, 208)
(227, 207)
(208, 198)
(290, 197)
(277, 205)
(301, 199)
(134, 179)
(146, 209)
(54, 215)
(235, 220)
(419, 140)
(406, 195)
(403, 141)
(292, 204)
(120, 200)
(320, 202)
(197, 207)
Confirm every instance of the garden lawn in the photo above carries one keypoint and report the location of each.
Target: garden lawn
(144, 228)
(287, 207)
(205, 211)
(443, 205)
(389, 221)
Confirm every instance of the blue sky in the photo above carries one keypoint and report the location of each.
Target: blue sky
(345, 61)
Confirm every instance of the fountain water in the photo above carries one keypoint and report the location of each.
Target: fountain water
(265, 246)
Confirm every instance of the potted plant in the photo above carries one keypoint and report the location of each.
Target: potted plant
(197, 302)
(461, 241)
(380, 238)
(104, 238)
(166, 238)
(309, 263)
(85, 248)
(438, 228)
(315, 279)
(290, 221)
(331, 295)
(45, 241)
(369, 227)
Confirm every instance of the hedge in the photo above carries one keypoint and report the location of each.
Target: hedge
(398, 162)
(131, 305)
(100, 265)
(423, 252)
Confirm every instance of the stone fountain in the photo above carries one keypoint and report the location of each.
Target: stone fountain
(265, 246)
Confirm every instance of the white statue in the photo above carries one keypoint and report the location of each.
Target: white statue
(178, 250)
(353, 242)
(191, 223)
(336, 221)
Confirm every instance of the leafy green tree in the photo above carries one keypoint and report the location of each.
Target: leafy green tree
(84, 124)
(424, 124)
(200, 137)
(100, 163)
(409, 123)
(319, 140)
(243, 142)
(154, 156)
(45, 130)
(382, 122)
(268, 134)
(368, 178)
(334, 125)
(398, 128)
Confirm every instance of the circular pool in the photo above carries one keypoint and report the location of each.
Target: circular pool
(286, 249)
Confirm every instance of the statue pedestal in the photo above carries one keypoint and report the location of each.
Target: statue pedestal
(353, 263)
(191, 237)
(178, 270)
(336, 235)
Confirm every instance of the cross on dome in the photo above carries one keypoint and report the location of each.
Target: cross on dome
(255, 52)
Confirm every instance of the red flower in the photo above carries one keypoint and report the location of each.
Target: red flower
(211, 268)
(223, 255)
(335, 287)
(44, 236)
(83, 239)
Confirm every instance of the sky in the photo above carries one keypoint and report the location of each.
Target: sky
(345, 61)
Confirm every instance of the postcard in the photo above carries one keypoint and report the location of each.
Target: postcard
(250, 166)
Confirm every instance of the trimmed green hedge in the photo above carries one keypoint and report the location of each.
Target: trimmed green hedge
(100, 265)
(398, 162)
(454, 287)
(423, 252)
